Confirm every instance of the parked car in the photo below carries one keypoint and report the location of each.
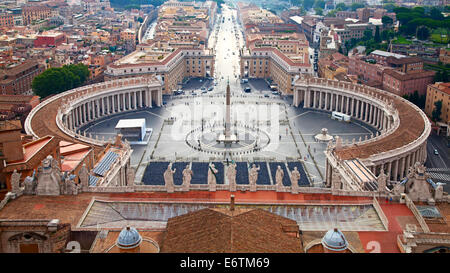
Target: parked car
(210, 88)
(247, 90)
(436, 152)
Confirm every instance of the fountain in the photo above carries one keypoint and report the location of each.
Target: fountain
(323, 136)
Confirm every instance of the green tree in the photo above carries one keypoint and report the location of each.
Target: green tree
(319, 11)
(332, 13)
(387, 21)
(377, 36)
(341, 6)
(356, 6)
(423, 33)
(367, 34)
(319, 4)
(436, 14)
(140, 20)
(437, 111)
(57, 80)
(308, 4)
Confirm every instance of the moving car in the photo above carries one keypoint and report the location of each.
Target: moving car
(247, 90)
(210, 88)
(436, 152)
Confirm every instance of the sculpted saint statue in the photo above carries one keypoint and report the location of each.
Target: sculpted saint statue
(15, 181)
(253, 177)
(295, 177)
(187, 177)
(168, 177)
(279, 176)
(231, 175)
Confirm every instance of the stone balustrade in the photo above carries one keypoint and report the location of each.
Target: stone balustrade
(377, 108)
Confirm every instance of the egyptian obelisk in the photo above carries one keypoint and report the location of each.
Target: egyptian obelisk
(227, 112)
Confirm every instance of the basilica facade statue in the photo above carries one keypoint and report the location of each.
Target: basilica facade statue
(187, 177)
(168, 178)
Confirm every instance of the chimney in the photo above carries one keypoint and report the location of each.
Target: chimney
(232, 203)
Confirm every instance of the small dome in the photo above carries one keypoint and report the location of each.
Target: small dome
(334, 240)
(129, 238)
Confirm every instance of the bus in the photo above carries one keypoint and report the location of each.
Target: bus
(340, 116)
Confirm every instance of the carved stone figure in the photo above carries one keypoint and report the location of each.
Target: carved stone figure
(48, 178)
(187, 177)
(15, 181)
(336, 182)
(279, 178)
(130, 176)
(168, 178)
(30, 184)
(83, 175)
(382, 181)
(231, 175)
(253, 177)
(212, 180)
(295, 177)
(71, 188)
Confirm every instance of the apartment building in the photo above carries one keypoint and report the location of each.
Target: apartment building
(17, 80)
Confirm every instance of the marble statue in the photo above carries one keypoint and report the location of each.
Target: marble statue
(168, 178)
(295, 177)
(212, 179)
(253, 177)
(279, 178)
(83, 175)
(30, 184)
(49, 178)
(231, 175)
(70, 187)
(15, 181)
(130, 176)
(187, 177)
(382, 181)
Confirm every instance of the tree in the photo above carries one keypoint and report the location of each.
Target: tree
(423, 33)
(436, 114)
(57, 80)
(387, 21)
(319, 11)
(367, 34)
(319, 4)
(332, 13)
(436, 14)
(341, 6)
(140, 20)
(377, 37)
(356, 6)
(308, 4)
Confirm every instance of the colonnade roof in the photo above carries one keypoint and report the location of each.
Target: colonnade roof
(411, 127)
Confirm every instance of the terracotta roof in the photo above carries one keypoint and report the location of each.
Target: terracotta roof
(214, 231)
(411, 127)
(410, 76)
(443, 87)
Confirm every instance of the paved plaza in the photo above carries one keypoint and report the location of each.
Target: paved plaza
(267, 126)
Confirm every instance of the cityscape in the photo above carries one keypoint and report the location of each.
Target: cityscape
(225, 126)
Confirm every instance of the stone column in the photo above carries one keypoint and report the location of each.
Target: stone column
(389, 169)
(320, 99)
(408, 162)
(314, 99)
(107, 106)
(129, 100)
(97, 102)
(134, 100)
(123, 102)
(402, 167)
(395, 170)
(342, 104)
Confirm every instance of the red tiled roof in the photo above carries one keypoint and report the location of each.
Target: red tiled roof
(215, 231)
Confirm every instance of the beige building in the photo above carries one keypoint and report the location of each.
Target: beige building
(270, 62)
(171, 67)
(436, 92)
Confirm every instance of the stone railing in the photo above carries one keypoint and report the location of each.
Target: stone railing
(410, 204)
(381, 214)
(84, 92)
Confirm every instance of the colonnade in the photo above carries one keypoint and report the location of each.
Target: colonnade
(364, 104)
(356, 106)
(113, 102)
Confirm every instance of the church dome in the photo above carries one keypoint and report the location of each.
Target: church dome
(334, 240)
(129, 238)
